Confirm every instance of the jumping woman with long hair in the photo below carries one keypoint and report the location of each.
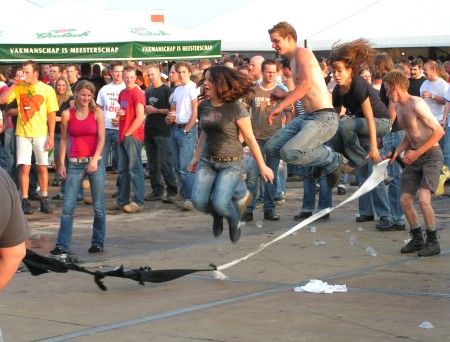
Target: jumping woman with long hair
(217, 160)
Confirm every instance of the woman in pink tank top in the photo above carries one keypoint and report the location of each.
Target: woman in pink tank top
(85, 127)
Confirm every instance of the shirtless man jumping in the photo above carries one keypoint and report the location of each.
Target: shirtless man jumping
(302, 140)
(423, 159)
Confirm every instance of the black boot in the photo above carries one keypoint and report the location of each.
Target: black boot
(45, 207)
(217, 227)
(26, 207)
(431, 245)
(416, 243)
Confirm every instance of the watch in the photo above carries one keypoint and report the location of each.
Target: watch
(185, 132)
(432, 97)
(157, 111)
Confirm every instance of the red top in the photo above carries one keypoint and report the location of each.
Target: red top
(83, 135)
(128, 99)
(47, 80)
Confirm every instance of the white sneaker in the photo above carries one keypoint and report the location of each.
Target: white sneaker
(185, 205)
(133, 207)
(188, 205)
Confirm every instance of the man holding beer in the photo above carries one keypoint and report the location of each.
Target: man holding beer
(157, 136)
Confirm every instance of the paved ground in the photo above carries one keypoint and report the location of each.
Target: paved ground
(388, 296)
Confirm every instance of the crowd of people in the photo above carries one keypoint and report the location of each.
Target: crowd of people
(205, 124)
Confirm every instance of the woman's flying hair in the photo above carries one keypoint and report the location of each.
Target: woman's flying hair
(231, 85)
(353, 54)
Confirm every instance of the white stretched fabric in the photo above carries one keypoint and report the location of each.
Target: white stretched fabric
(375, 178)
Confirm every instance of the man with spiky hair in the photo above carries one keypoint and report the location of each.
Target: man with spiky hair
(302, 140)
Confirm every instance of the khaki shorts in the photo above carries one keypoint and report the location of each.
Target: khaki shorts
(26, 146)
(423, 173)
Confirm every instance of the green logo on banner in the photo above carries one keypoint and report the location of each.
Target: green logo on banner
(62, 33)
(141, 31)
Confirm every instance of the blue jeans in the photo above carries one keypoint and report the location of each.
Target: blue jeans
(183, 147)
(251, 181)
(394, 171)
(214, 187)
(159, 163)
(66, 163)
(269, 189)
(346, 140)
(309, 192)
(302, 141)
(252, 175)
(377, 199)
(293, 169)
(131, 171)
(111, 146)
(281, 179)
(6, 156)
(56, 154)
(75, 175)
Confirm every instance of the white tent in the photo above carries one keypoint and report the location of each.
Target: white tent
(385, 23)
(390, 24)
(18, 14)
(116, 35)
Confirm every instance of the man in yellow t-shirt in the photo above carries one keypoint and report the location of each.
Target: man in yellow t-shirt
(37, 105)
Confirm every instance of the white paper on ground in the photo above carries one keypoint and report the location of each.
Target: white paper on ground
(426, 325)
(318, 286)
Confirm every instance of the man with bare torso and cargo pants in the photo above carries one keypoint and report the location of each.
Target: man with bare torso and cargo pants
(423, 159)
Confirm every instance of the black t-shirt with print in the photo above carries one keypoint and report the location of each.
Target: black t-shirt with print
(219, 125)
(155, 124)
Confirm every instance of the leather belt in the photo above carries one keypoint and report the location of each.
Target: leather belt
(180, 125)
(81, 160)
(223, 159)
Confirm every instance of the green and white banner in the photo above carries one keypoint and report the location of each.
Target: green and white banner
(99, 44)
(142, 51)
